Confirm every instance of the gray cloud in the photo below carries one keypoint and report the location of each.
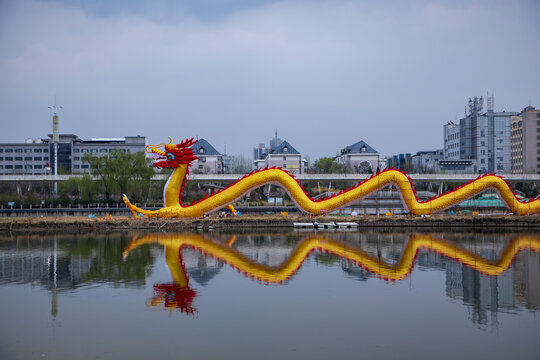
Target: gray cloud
(325, 74)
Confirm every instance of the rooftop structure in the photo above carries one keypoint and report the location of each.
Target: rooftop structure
(210, 160)
(281, 154)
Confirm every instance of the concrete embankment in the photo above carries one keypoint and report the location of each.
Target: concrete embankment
(72, 223)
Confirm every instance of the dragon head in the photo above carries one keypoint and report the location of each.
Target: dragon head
(173, 155)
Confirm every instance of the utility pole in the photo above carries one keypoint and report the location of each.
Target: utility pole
(55, 139)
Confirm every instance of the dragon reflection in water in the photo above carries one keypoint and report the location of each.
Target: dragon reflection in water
(179, 295)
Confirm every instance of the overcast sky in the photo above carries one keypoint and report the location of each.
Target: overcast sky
(326, 74)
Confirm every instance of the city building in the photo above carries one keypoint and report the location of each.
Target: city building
(359, 158)
(427, 161)
(452, 162)
(525, 141)
(483, 140)
(451, 141)
(210, 160)
(95, 147)
(36, 156)
(400, 161)
(280, 154)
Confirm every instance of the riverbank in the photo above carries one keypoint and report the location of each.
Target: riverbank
(72, 223)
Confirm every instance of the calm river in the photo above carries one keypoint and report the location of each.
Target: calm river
(310, 295)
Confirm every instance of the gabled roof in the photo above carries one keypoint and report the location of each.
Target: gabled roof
(208, 149)
(284, 148)
(357, 149)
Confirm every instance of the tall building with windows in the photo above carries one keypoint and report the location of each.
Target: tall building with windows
(36, 156)
(483, 138)
(525, 141)
(451, 141)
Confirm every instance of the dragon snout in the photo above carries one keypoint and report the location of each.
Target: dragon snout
(157, 151)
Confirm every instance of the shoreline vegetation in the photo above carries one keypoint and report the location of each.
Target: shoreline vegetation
(249, 221)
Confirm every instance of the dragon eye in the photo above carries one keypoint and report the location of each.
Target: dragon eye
(170, 157)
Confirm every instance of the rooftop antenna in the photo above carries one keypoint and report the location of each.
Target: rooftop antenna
(55, 139)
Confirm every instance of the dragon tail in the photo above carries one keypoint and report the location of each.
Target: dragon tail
(136, 210)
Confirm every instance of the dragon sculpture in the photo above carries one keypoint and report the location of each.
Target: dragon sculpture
(180, 156)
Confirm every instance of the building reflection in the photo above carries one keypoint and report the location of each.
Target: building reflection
(59, 263)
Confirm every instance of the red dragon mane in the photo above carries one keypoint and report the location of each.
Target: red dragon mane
(174, 154)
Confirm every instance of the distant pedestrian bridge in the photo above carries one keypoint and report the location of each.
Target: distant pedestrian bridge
(227, 178)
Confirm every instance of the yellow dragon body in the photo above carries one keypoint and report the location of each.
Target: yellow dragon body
(180, 156)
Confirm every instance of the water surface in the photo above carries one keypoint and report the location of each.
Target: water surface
(277, 295)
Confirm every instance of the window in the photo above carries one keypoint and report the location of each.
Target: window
(18, 166)
(482, 161)
(94, 150)
(9, 150)
(37, 150)
(1, 159)
(18, 158)
(9, 158)
(538, 115)
(285, 149)
(37, 166)
(27, 150)
(1, 166)
(46, 158)
(76, 166)
(2, 150)
(482, 143)
(284, 158)
(27, 158)
(84, 150)
(284, 166)
(9, 166)
(201, 150)
(18, 150)
(85, 166)
(76, 158)
(102, 150)
(76, 150)
(27, 166)
(45, 150)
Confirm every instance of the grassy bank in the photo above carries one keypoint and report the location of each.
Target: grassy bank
(68, 223)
